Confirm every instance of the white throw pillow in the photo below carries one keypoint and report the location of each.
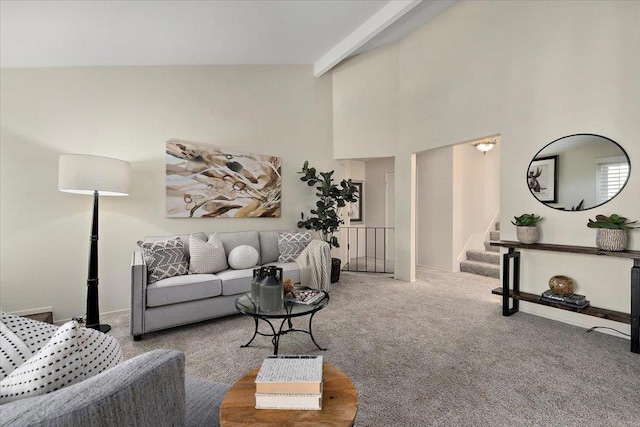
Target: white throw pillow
(206, 256)
(243, 257)
(72, 354)
(290, 245)
(33, 333)
(13, 351)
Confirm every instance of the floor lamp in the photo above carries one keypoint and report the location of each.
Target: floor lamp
(97, 176)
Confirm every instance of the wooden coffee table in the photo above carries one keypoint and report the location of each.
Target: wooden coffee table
(339, 404)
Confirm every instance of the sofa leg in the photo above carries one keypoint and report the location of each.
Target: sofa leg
(137, 337)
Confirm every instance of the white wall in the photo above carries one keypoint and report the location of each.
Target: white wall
(457, 198)
(476, 198)
(365, 111)
(376, 201)
(526, 72)
(129, 113)
(434, 217)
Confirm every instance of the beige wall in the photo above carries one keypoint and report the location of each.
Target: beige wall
(129, 113)
(525, 71)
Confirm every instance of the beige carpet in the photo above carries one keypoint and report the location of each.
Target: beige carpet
(434, 352)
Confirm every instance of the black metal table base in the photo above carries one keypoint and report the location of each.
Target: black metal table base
(275, 335)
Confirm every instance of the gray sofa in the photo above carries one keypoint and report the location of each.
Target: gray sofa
(147, 390)
(181, 300)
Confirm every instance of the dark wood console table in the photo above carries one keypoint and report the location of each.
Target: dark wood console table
(514, 293)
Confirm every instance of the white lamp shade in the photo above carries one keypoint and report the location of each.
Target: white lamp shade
(84, 174)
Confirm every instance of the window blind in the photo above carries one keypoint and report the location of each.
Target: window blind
(611, 179)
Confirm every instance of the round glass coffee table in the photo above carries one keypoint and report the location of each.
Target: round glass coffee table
(245, 305)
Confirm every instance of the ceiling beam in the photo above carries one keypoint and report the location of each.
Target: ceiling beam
(386, 16)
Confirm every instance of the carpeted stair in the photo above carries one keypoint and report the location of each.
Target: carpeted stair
(486, 262)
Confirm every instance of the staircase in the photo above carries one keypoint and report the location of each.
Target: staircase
(486, 262)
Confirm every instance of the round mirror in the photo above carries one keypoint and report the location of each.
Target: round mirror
(578, 172)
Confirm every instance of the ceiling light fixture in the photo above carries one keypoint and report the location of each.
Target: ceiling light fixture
(484, 145)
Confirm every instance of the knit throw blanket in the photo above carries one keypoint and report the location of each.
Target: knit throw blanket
(314, 266)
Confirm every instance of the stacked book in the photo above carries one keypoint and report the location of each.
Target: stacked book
(290, 382)
(573, 300)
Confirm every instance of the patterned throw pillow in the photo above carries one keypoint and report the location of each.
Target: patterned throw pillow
(166, 258)
(33, 333)
(13, 351)
(72, 354)
(206, 256)
(290, 245)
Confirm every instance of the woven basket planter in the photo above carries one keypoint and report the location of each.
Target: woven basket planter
(611, 239)
(527, 235)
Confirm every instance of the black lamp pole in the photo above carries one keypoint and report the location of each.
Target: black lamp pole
(93, 312)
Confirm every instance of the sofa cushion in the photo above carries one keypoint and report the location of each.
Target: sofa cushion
(165, 258)
(71, 355)
(206, 256)
(235, 281)
(230, 240)
(290, 270)
(243, 257)
(183, 288)
(290, 245)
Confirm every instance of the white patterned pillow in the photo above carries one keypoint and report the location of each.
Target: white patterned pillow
(206, 256)
(33, 333)
(166, 258)
(99, 351)
(290, 245)
(72, 354)
(13, 351)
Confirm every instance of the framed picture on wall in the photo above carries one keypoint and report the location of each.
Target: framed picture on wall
(355, 208)
(542, 178)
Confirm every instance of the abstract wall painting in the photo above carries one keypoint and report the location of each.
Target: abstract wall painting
(210, 182)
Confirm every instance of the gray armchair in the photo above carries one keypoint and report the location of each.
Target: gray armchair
(147, 390)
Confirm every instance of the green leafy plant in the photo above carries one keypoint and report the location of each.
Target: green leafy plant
(526, 220)
(612, 222)
(325, 218)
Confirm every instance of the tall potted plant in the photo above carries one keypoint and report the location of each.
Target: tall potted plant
(325, 218)
(612, 231)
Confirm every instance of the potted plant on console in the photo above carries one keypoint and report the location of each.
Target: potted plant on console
(611, 232)
(325, 218)
(527, 228)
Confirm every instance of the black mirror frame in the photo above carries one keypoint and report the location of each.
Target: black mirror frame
(556, 184)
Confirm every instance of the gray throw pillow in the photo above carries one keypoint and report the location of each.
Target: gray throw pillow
(166, 258)
(290, 245)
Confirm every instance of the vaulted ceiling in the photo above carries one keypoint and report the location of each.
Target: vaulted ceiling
(56, 33)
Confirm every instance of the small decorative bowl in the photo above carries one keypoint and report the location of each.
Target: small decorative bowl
(562, 285)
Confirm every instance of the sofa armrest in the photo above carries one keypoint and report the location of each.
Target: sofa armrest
(138, 294)
(148, 390)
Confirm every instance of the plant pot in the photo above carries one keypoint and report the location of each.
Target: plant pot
(527, 235)
(611, 239)
(335, 269)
